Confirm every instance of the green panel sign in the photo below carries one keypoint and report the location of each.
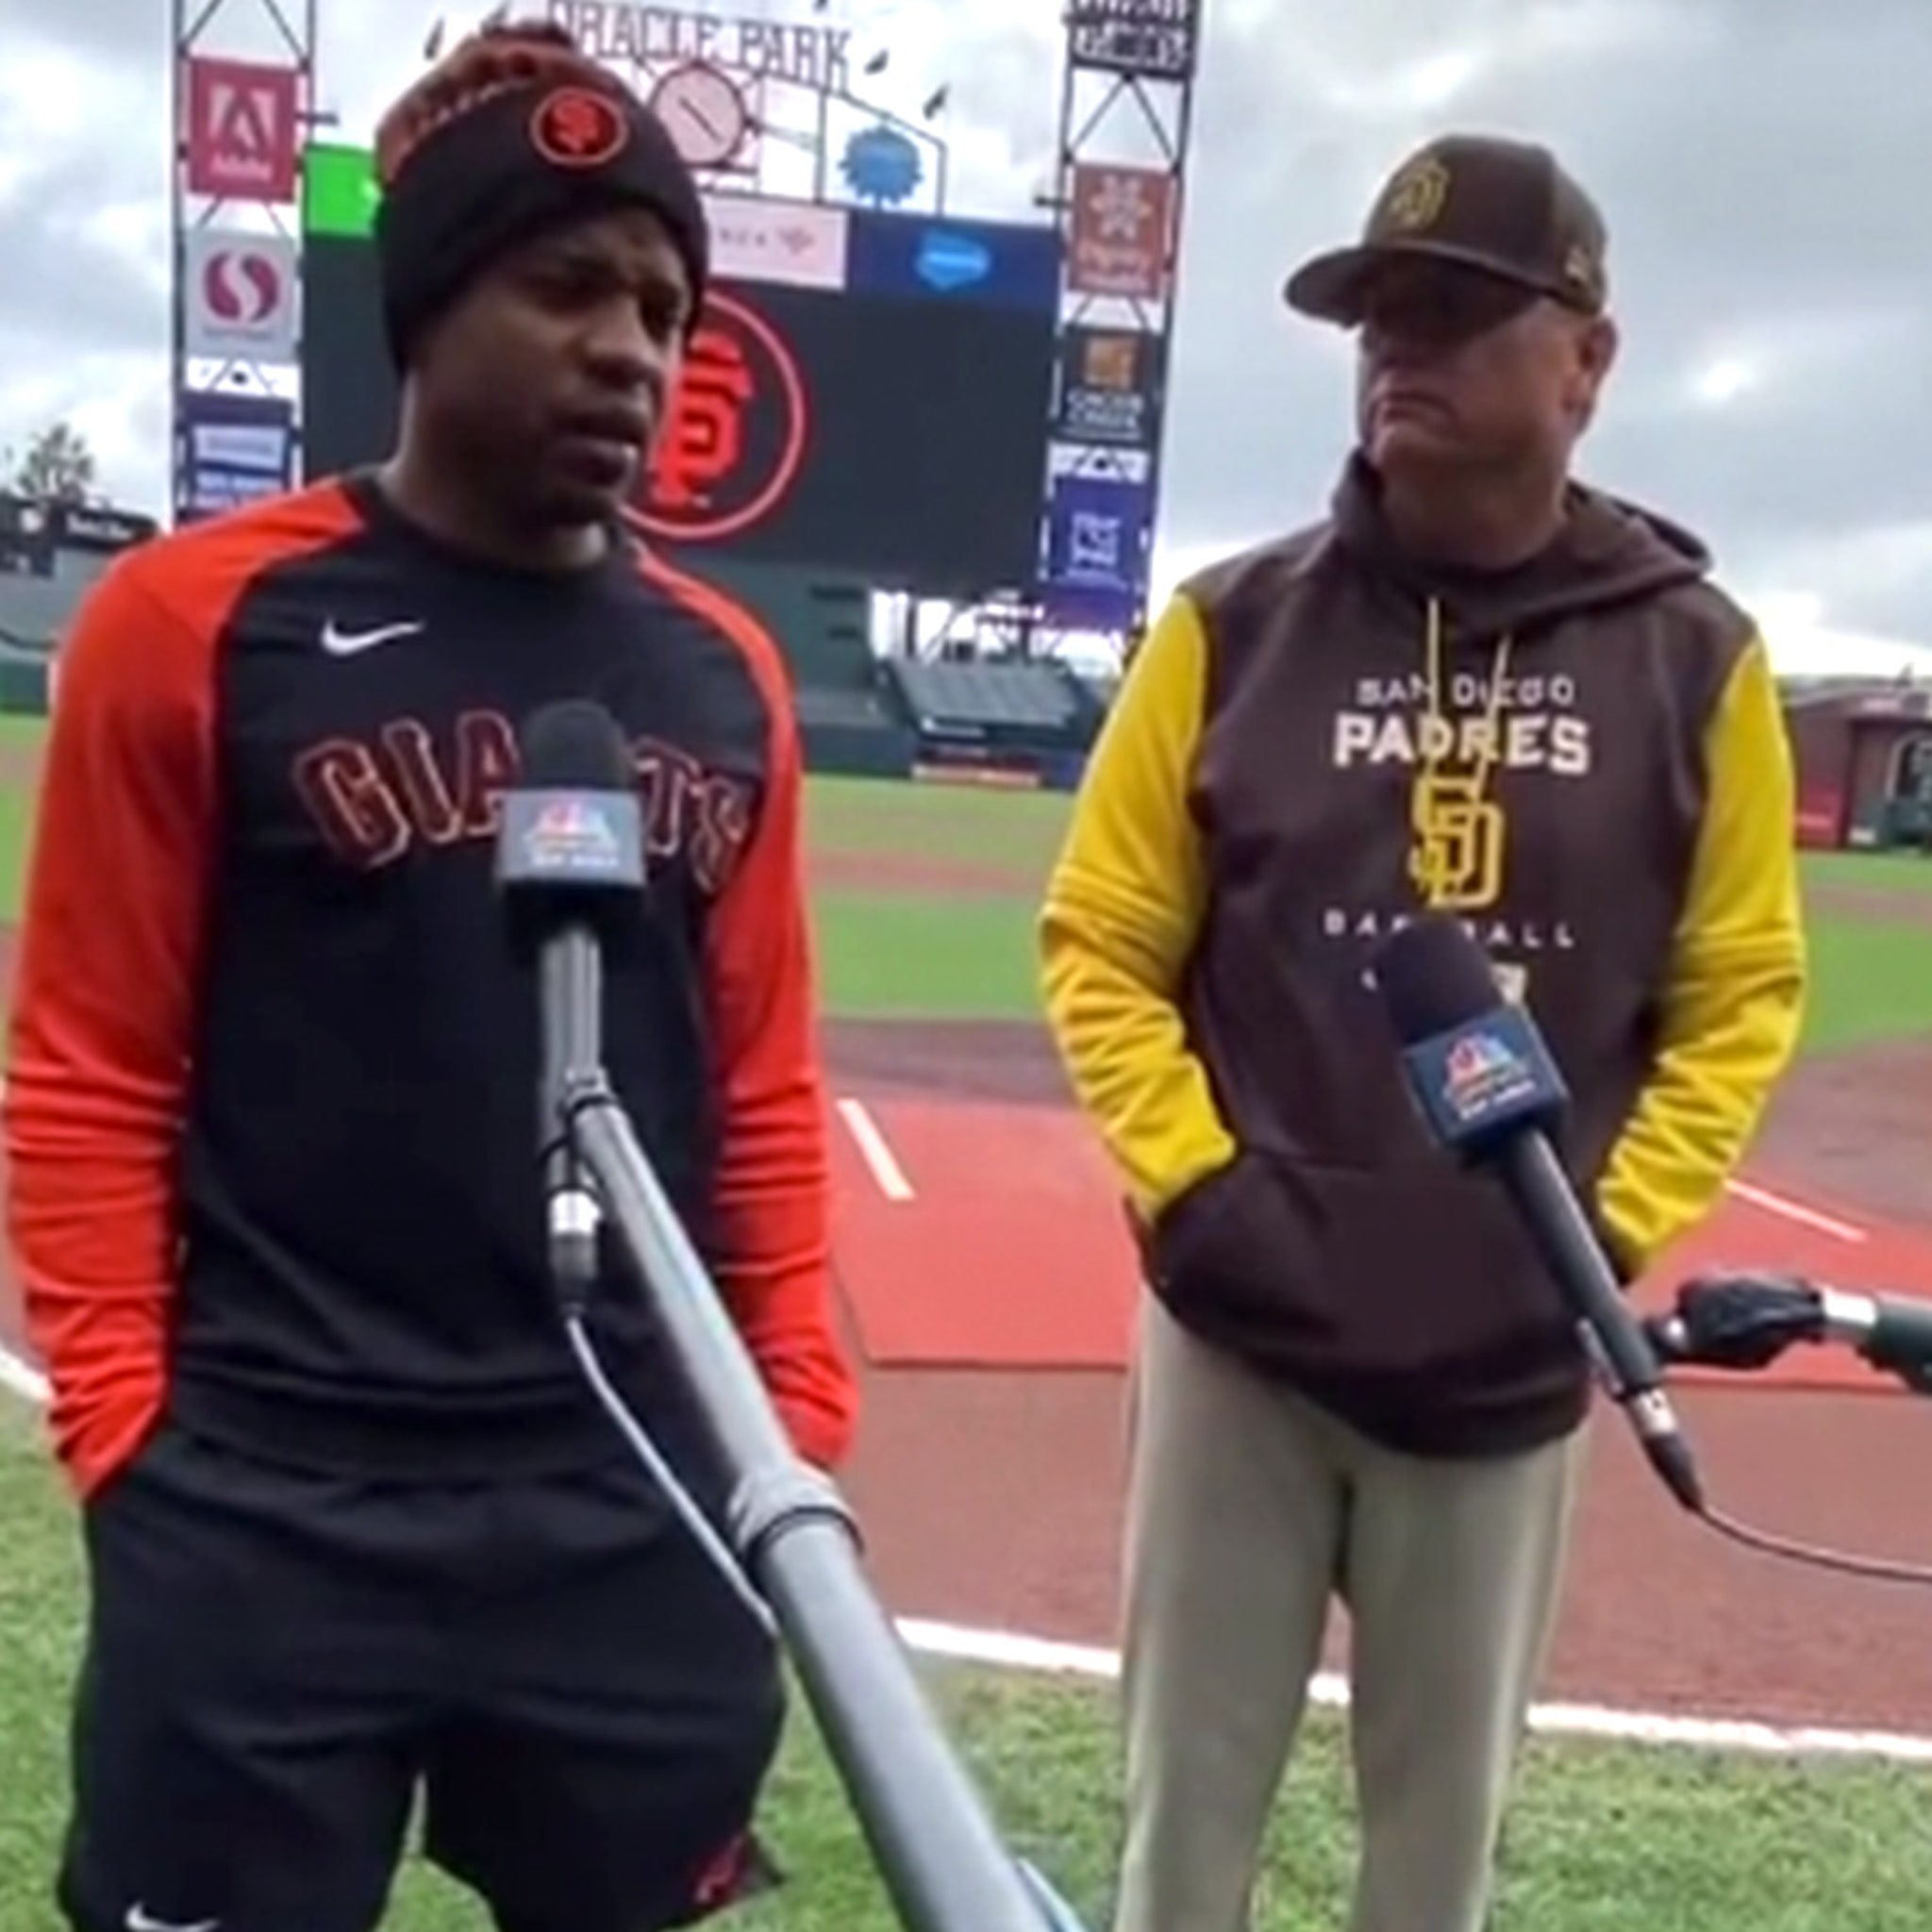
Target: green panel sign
(339, 191)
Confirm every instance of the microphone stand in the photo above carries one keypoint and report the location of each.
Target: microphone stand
(935, 1846)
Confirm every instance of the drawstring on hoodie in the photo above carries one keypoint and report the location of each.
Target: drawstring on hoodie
(1449, 815)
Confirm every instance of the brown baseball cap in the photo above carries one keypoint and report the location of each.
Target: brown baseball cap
(1504, 206)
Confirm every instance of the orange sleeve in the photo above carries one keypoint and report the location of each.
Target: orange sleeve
(770, 1246)
(104, 1003)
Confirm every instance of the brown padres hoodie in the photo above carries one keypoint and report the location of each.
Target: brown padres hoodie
(1585, 757)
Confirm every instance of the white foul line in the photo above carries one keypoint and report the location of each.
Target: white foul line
(24, 1379)
(18, 1375)
(1044, 1656)
(1004, 1650)
(888, 1175)
(1787, 1209)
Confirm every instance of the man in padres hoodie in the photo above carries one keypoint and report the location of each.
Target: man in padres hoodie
(1476, 686)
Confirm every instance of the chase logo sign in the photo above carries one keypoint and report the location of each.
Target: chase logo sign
(948, 261)
(1010, 265)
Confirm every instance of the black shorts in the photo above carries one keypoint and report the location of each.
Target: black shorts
(280, 1663)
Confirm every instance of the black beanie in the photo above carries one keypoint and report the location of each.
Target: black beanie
(535, 155)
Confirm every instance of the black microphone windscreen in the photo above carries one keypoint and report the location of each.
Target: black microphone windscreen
(1433, 977)
(574, 745)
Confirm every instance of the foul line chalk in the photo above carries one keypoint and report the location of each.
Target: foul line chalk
(24, 1379)
(1006, 1650)
(875, 1150)
(1044, 1656)
(1787, 1209)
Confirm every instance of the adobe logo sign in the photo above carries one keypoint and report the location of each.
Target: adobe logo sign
(239, 297)
(240, 140)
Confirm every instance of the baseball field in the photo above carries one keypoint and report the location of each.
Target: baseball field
(1731, 1746)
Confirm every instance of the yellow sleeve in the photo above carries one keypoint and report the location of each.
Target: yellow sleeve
(1735, 1000)
(1121, 910)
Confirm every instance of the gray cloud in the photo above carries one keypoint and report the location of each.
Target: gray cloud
(1760, 163)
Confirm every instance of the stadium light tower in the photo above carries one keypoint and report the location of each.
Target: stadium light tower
(241, 93)
(1126, 101)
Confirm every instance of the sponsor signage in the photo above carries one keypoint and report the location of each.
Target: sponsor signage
(996, 264)
(1155, 38)
(236, 449)
(758, 239)
(1097, 552)
(1120, 231)
(239, 297)
(242, 139)
(1106, 389)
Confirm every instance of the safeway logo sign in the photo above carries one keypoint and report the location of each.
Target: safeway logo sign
(241, 296)
(242, 140)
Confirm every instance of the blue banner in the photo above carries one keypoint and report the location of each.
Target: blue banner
(1098, 549)
(995, 265)
(234, 449)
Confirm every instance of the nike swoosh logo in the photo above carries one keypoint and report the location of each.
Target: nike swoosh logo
(338, 643)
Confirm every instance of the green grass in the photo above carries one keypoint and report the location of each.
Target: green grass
(1873, 871)
(1603, 1839)
(16, 828)
(1871, 980)
(928, 956)
(952, 822)
(889, 955)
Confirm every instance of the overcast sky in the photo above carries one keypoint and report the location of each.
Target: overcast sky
(1763, 165)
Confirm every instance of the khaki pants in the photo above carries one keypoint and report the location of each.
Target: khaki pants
(1249, 1511)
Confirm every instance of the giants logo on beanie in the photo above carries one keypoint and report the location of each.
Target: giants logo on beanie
(575, 127)
(516, 132)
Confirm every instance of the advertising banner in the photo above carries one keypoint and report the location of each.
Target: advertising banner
(242, 136)
(240, 300)
(236, 450)
(923, 257)
(1155, 38)
(1121, 229)
(758, 239)
(1098, 543)
(1105, 389)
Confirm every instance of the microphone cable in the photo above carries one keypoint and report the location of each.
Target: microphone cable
(660, 1472)
(1814, 1556)
(1740, 1346)
(655, 1463)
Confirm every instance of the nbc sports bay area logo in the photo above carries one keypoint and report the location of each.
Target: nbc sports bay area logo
(567, 838)
(1482, 1075)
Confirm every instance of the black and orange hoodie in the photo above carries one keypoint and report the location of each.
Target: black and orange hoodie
(1585, 757)
(270, 1106)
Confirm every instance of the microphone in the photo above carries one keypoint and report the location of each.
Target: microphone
(1487, 1090)
(570, 869)
(1745, 1318)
